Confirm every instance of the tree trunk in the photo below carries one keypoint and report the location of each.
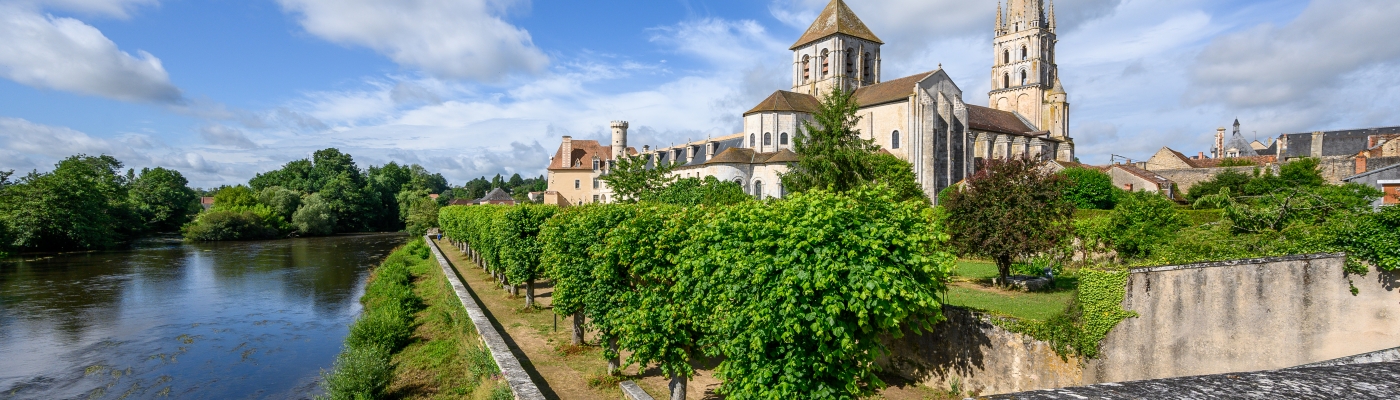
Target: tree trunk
(578, 328)
(530, 293)
(1004, 268)
(614, 362)
(514, 288)
(678, 387)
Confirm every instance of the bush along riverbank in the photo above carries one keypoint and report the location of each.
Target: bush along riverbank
(414, 339)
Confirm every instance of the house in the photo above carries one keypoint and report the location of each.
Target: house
(1338, 150)
(1387, 179)
(1186, 172)
(206, 202)
(497, 196)
(1133, 179)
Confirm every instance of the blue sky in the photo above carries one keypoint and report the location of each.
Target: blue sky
(223, 89)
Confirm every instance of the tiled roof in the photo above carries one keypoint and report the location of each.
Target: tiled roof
(784, 155)
(836, 18)
(783, 100)
(583, 152)
(1142, 173)
(993, 120)
(733, 155)
(496, 195)
(889, 91)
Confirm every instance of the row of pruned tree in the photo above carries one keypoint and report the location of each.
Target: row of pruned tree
(791, 296)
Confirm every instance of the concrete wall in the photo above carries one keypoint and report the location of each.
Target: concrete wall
(978, 356)
(1247, 315)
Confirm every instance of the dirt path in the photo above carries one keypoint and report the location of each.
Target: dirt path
(567, 376)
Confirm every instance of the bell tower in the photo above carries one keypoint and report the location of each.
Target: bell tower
(837, 51)
(1025, 78)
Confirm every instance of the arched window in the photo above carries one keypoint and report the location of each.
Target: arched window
(826, 62)
(1023, 78)
(758, 189)
(1023, 53)
(850, 61)
(783, 139)
(767, 138)
(753, 141)
(1006, 56)
(1005, 81)
(806, 68)
(868, 67)
(894, 140)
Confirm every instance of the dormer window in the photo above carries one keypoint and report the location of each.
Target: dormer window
(595, 164)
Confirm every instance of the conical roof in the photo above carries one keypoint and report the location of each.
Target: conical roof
(1058, 89)
(497, 195)
(837, 18)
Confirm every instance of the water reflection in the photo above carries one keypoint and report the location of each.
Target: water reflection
(222, 320)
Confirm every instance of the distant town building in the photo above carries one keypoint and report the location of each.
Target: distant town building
(1386, 179)
(497, 196)
(206, 202)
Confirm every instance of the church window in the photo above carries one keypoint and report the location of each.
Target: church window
(758, 189)
(850, 61)
(767, 138)
(1023, 78)
(868, 66)
(753, 141)
(783, 139)
(1005, 81)
(806, 68)
(1006, 56)
(894, 140)
(1023, 53)
(826, 63)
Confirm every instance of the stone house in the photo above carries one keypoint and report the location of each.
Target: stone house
(1386, 179)
(1134, 179)
(1337, 151)
(1186, 172)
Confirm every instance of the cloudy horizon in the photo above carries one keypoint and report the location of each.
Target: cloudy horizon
(222, 91)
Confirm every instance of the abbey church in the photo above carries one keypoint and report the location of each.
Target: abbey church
(919, 118)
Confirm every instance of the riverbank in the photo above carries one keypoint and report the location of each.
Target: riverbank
(414, 340)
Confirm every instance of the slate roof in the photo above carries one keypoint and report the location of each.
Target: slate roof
(1238, 142)
(783, 100)
(1371, 172)
(496, 195)
(1335, 143)
(889, 91)
(1348, 381)
(993, 120)
(836, 18)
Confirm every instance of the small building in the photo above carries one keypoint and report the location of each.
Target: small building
(1386, 179)
(497, 196)
(1134, 179)
(1186, 172)
(206, 202)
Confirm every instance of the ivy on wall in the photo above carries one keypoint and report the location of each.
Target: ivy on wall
(1096, 309)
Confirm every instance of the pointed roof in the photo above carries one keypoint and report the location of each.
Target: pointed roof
(783, 100)
(496, 195)
(1058, 89)
(837, 18)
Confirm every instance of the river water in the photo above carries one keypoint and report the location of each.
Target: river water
(174, 320)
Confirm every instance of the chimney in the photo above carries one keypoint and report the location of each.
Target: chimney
(567, 150)
(1360, 165)
(1200, 155)
(1219, 143)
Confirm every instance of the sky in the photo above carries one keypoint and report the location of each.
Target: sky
(222, 90)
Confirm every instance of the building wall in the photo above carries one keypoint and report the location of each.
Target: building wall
(836, 46)
(563, 183)
(1123, 178)
(775, 123)
(1187, 178)
(1387, 181)
(1336, 168)
(1165, 160)
(881, 121)
(1247, 315)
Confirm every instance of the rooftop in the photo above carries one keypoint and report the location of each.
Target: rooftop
(836, 18)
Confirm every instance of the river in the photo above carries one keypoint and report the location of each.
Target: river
(173, 320)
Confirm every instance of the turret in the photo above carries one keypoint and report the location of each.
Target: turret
(619, 139)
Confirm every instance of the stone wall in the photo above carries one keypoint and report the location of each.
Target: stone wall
(1239, 316)
(968, 351)
(1186, 178)
(1336, 168)
(1247, 315)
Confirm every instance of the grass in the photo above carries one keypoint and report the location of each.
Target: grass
(971, 288)
(440, 357)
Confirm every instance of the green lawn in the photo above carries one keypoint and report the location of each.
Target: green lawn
(970, 289)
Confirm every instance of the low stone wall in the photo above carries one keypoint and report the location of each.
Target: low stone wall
(968, 352)
(1247, 315)
(520, 383)
(1201, 319)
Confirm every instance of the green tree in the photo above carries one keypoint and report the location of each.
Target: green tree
(696, 191)
(520, 247)
(314, 217)
(1089, 189)
(831, 154)
(162, 199)
(1009, 210)
(631, 180)
(282, 200)
(82, 204)
(516, 181)
(422, 215)
(1141, 221)
(898, 175)
(1228, 179)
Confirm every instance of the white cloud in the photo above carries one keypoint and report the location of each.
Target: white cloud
(447, 38)
(222, 135)
(109, 8)
(69, 55)
(25, 145)
(1272, 65)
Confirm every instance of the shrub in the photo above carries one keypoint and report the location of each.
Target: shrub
(1089, 188)
(1142, 220)
(1009, 210)
(360, 373)
(219, 225)
(389, 327)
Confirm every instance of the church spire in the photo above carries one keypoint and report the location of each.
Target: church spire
(1052, 16)
(999, 23)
